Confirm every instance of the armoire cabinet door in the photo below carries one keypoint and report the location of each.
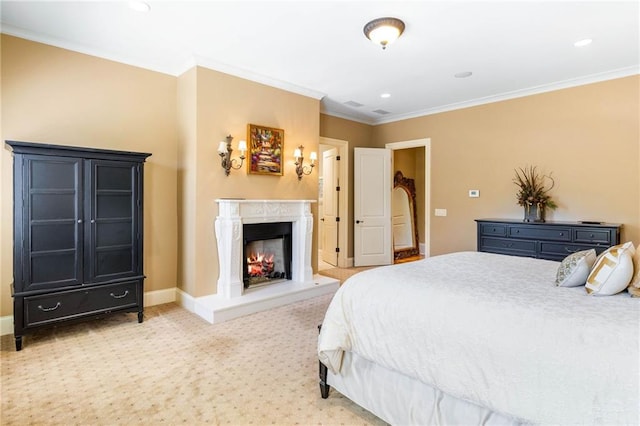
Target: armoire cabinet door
(51, 212)
(112, 196)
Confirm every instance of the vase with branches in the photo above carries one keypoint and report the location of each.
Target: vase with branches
(533, 193)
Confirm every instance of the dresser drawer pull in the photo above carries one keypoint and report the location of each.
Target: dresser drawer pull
(126, 292)
(508, 245)
(591, 235)
(562, 234)
(568, 250)
(49, 309)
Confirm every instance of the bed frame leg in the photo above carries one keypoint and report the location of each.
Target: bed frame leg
(324, 387)
(322, 373)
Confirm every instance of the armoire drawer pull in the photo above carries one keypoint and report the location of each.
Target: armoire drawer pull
(126, 292)
(49, 309)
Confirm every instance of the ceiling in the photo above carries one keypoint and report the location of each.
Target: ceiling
(318, 49)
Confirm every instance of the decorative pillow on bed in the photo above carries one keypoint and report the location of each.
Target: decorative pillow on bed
(634, 285)
(612, 272)
(575, 268)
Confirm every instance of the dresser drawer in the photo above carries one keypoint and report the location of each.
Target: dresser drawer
(558, 251)
(592, 236)
(63, 305)
(493, 229)
(545, 240)
(541, 233)
(507, 246)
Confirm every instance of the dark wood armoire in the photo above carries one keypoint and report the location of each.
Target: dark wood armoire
(78, 234)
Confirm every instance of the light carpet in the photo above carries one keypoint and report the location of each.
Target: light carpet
(174, 368)
(343, 274)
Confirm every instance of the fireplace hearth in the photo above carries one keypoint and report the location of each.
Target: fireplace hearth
(232, 299)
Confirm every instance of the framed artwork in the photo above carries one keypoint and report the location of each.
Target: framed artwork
(266, 146)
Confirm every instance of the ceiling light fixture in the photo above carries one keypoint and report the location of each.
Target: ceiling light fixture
(384, 31)
(582, 43)
(463, 74)
(385, 95)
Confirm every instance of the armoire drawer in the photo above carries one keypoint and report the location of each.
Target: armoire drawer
(77, 303)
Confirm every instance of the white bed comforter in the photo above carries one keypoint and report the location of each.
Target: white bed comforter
(494, 330)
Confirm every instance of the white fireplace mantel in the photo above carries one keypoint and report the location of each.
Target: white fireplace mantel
(232, 300)
(233, 213)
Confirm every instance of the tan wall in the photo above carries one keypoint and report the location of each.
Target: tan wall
(57, 96)
(226, 105)
(587, 136)
(187, 145)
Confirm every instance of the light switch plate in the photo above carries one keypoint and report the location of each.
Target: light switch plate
(474, 193)
(441, 212)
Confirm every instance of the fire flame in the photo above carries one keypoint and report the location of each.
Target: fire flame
(260, 264)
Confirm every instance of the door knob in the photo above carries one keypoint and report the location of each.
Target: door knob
(322, 219)
(359, 221)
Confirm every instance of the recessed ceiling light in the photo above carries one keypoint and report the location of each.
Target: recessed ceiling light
(385, 95)
(464, 74)
(139, 6)
(582, 43)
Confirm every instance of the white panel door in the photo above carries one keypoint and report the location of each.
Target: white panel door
(372, 207)
(329, 214)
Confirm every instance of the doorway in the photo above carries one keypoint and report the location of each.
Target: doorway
(423, 178)
(333, 203)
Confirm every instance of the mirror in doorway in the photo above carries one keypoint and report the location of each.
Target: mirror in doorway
(405, 217)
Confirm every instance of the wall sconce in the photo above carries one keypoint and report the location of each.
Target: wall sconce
(300, 168)
(225, 150)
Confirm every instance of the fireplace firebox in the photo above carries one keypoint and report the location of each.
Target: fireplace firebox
(266, 253)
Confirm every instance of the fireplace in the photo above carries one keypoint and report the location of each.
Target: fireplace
(266, 253)
(232, 299)
(235, 215)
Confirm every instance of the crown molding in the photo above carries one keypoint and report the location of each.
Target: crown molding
(256, 77)
(176, 70)
(564, 84)
(80, 48)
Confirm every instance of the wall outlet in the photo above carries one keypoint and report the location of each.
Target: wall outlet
(474, 193)
(441, 212)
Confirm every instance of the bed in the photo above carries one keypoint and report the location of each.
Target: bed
(481, 338)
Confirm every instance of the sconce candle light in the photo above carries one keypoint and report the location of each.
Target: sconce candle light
(301, 169)
(225, 150)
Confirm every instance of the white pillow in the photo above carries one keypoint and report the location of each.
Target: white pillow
(575, 268)
(612, 272)
(634, 285)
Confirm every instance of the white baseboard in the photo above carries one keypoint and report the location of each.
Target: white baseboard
(151, 298)
(160, 297)
(423, 248)
(6, 325)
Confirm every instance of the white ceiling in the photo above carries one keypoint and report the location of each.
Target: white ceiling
(317, 48)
